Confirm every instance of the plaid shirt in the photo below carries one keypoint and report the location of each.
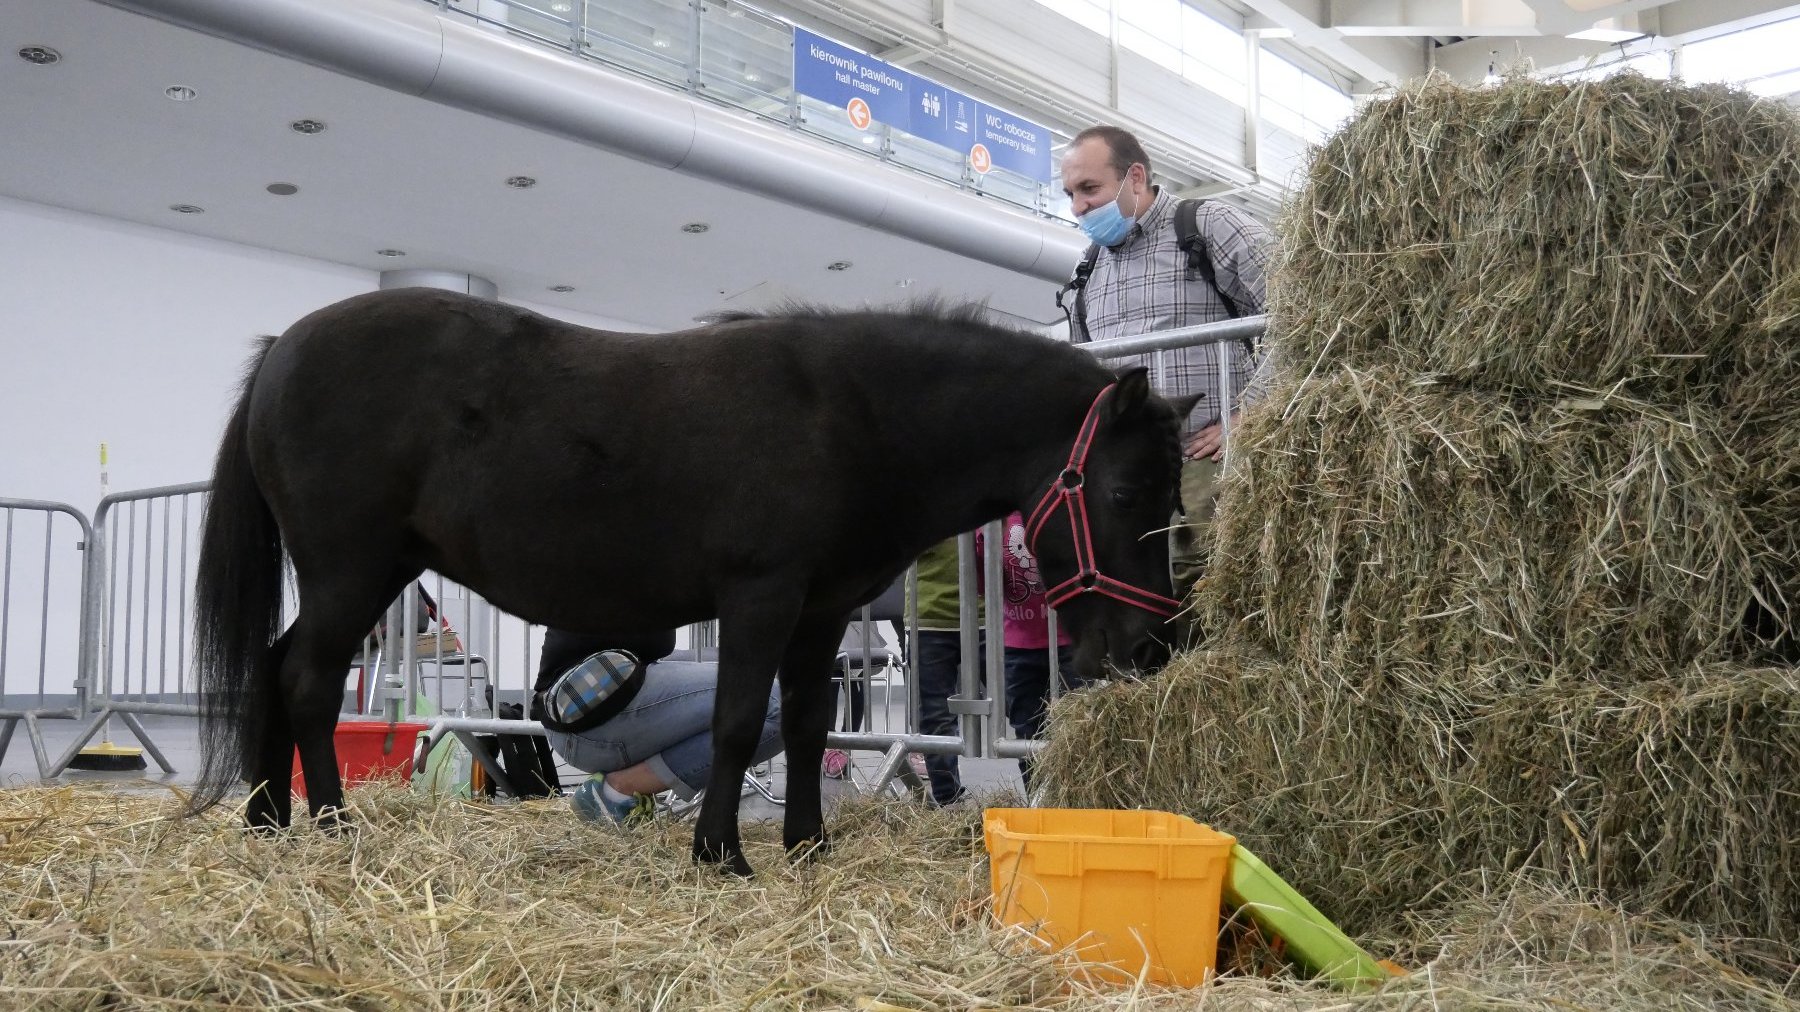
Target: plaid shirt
(1143, 285)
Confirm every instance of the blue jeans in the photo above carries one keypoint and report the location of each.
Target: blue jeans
(1027, 696)
(1028, 692)
(936, 671)
(668, 727)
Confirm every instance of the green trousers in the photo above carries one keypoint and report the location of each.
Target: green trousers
(1200, 496)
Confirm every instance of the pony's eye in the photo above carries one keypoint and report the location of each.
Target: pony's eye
(1125, 498)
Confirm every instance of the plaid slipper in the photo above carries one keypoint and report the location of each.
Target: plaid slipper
(581, 689)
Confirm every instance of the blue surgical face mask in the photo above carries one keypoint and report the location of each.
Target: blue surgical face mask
(1106, 224)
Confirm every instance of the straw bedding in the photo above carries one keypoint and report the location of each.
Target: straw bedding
(106, 903)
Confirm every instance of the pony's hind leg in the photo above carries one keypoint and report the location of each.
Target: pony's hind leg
(806, 709)
(269, 750)
(324, 639)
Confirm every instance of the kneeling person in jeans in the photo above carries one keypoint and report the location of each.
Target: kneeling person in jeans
(614, 707)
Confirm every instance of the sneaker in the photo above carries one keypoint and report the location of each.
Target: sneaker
(590, 804)
(836, 762)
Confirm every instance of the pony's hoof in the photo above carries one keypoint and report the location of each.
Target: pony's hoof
(807, 848)
(263, 814)
(728, 858)
(335, 822)
(265, 822)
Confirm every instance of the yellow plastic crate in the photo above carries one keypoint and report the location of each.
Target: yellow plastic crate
(1128, 892)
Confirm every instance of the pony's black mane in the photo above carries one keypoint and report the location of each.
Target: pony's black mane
(933, 309)
(925, 309)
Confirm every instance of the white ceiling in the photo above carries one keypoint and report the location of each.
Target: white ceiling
(94, 132)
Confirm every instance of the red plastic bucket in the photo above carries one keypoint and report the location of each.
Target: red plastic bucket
(365, 752)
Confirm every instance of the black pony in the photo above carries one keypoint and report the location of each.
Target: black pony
(772, 472)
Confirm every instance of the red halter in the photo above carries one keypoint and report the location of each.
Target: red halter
(1067, 490)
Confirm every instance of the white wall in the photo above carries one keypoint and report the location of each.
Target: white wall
(134, 336)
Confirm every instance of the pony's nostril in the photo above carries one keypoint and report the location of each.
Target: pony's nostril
(1149, 655)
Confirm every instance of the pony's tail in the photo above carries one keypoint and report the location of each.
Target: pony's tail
(237, 609)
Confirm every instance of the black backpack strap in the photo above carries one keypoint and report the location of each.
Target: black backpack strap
(1199, 258)
(1077, 311)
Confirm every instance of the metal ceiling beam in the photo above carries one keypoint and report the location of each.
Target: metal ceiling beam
(1433, 17)
(1374, 59)
(1484, 17)
(1556, 17)
(1689, 17)
(1467, 61)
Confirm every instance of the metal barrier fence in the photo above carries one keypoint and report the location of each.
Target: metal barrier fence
(134, 641)
(60, 599)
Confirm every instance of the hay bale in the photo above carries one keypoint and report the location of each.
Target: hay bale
(1547, 236)
(1373, 522)
(105, 903)
(1672, 796)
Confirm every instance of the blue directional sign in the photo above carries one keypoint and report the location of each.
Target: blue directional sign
(837, 74)
(872, 91)
(1014, 143)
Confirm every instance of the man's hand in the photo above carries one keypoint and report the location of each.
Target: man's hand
(1208, 442)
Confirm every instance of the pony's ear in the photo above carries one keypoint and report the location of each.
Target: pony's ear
(1131, 391)
(1185, 405)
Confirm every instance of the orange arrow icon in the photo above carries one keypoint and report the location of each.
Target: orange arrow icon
(860, 118)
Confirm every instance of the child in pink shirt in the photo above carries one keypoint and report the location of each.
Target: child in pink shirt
(1027, 638)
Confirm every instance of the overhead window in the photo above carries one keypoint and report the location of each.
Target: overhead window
(1094, 15)
(1298, 102)
(1213, 56)
(1763, 59)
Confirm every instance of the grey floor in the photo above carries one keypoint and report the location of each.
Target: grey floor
(177, 739)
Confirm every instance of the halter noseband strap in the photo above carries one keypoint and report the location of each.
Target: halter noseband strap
(1069, 489)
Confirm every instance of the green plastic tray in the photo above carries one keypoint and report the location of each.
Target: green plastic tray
(1312, 940)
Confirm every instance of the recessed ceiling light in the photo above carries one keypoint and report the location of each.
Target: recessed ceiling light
(751, 75)
(307, 126)
(838, 265)
(43, 56)
(695, 227)
(521, 182)
(562, 288)
(187, 209)
(871, 139)
(561, 7)
(661, 43)
(390, 252)
(282, 189)
(180, 93)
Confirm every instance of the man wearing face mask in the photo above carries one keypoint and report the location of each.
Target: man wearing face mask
(1138, 278)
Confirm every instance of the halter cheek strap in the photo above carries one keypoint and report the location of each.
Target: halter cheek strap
(1069, 490)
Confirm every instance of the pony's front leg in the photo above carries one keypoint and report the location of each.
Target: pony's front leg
(753, 635)
(806, 710)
